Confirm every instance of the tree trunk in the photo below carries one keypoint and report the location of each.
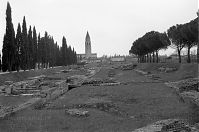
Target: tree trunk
(142, 58)
(153, 57)
(157, 57)
(198, 53)
(150, 57)
(188, 55)
(147, 58)
(179, 56)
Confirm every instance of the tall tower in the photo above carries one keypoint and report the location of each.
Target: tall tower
(88, 45)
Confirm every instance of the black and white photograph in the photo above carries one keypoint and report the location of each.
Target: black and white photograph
(99, 66)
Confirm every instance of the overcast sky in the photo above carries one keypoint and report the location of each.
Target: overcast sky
(112, 24)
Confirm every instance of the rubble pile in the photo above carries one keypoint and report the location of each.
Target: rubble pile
(169, 125)
(102, 106)
(167, 69)
(141, 72)
(43, 89)
(191, 96)
(98, 81)
(153, 76)
(188, 89)
(39, 88)
(75, 81)
(185, 85)
(65, 71)
(23, 87)
(128, 67)
(77, 112)
(78, 80)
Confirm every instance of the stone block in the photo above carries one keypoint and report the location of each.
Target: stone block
(77, 112)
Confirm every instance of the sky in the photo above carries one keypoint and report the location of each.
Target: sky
(113, 25)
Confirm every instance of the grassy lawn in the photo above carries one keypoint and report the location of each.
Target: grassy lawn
(13, 100)
(111, 108)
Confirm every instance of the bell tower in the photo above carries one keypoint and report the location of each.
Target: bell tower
(88, 46)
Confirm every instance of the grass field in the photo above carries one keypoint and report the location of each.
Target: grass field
(119, 108)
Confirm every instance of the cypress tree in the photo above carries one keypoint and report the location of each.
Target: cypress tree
(8, 50)
(5, 55)
(39, 51)
(24, 46)
(0, 62)
(18, 47)
(63, 51)
(30, 55)
(42, 43)
(45, 50)
(35, 46)
(70, 56)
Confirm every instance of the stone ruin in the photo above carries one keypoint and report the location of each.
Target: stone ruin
(188, 89)
(169, 125)
(167, 69)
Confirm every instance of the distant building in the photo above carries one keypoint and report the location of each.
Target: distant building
(88, 52)
(118, 59)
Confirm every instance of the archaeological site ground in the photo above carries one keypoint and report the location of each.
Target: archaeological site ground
(101, 97)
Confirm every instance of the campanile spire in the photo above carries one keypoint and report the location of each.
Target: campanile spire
(87, 45)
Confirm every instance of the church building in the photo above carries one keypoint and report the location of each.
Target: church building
(88, 52)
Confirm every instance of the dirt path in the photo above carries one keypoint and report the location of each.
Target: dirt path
(120, 108)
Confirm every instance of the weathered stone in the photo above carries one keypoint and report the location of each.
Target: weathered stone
(128, 67)
(161, 69)
(9, 90)
(185, 85)
(170, 125)
(191, 96)
(141, 72)
(77, 112)
(37, 77)
(168, 69)
(8, 82)
(2, 88)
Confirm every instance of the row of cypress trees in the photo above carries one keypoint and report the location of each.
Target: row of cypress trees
(27, 50)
